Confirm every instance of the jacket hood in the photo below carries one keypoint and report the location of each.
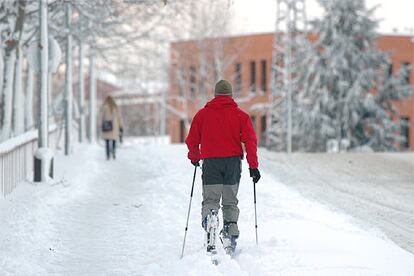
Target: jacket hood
(220, 102)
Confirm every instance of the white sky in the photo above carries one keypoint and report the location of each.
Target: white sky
(253, 16)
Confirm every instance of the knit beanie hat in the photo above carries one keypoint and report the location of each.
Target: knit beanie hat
(223, 88)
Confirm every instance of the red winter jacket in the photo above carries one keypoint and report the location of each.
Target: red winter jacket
(219, 129)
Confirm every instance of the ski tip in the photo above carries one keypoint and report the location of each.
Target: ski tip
(236, 253)
(214, 258)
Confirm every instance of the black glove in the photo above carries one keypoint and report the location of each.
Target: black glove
(195, 163)
(255, 174)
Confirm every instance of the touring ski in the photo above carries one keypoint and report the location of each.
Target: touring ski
(211, 236)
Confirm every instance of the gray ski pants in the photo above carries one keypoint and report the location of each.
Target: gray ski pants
(226, 171)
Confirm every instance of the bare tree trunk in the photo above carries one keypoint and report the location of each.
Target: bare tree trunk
(203, 73)
(29, 99)
(1, 84)
(163, 115)
(9, 66)
(18, 117)
(92, 97)
(68, 81)
(183, 91)
(8, 93)
(81, 96)
(49, 99)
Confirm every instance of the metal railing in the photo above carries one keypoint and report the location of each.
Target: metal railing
(16, 158)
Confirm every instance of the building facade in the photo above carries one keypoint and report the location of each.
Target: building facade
(246, 61)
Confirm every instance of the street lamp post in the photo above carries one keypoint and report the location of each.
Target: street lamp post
(68, 82)
(43, 157)
(43, 74)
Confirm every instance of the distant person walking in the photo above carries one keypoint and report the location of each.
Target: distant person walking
(216, 136)
(111, 125)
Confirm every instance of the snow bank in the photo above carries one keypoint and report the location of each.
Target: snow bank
(376, 189)
(147, 140)
(16, 141)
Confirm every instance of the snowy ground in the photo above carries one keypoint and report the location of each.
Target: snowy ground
(377, 189)
(127, 217)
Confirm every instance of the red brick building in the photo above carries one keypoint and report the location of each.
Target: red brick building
(248, 65)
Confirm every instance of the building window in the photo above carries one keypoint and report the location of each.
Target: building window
(253, 118)
(238, 78)
(201, 88)
(253, 77)
(181, 80)
(182, 131)
(406, 69)
(202, 81)
(193, 80)
(263, 124)
(405, 133)
(389, 70)
(264, 76)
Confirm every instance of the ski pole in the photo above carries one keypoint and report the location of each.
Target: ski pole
(255, 211)
(188, 214)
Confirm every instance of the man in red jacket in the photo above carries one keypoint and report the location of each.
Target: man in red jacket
(216, 136)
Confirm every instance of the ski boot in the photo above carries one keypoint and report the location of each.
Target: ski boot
(211, 224)
(229, 241)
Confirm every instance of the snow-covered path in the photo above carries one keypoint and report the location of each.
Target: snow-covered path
(127, 217)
